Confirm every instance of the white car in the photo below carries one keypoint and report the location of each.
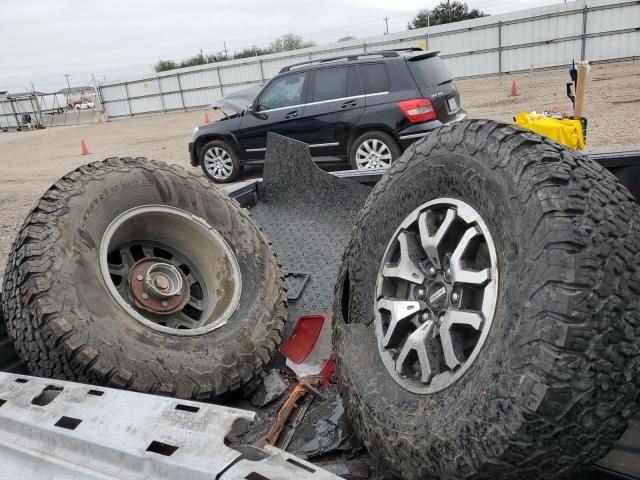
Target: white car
(84, 106)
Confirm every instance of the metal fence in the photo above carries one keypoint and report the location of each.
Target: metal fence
(15, 111)
(596, 30)
(79, 105)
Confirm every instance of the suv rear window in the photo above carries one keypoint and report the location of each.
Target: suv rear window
(328, 84)
(375, 78)
(430, 71)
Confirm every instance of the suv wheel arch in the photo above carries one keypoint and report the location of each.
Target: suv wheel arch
(387, 137)
(356, 132)
(200, 142)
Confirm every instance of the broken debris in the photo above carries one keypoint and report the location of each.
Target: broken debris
(272, 388)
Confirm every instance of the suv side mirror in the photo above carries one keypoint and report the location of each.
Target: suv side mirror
(253, 111)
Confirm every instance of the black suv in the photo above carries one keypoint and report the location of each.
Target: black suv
(367, 108)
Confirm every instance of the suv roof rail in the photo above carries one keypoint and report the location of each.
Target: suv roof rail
(350, 57)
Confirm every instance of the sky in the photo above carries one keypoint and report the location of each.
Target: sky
(41, 40)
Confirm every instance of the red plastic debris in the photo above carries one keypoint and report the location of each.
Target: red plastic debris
(327, 372)
(303, 338)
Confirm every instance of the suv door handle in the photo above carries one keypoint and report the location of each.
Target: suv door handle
(293, 114)
(349, 103)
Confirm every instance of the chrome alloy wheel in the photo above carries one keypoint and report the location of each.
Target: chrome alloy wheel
(218, 163)
(373, 153)
(170, 270)
(436, 294)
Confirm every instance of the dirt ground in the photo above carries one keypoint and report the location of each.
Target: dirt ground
(31, 161)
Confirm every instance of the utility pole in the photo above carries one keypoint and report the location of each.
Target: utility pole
(449, 8)
(386, 21)
(226, 55)
(255, 52)
(428, 27)
(69, 88)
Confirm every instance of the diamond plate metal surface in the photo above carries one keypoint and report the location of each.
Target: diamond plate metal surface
(308, 215)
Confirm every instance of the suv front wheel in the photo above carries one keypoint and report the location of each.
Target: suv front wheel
(373, 150)
(219, 162)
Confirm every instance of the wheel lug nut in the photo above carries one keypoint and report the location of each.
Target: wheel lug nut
(432, 270)
(425, 316)
(420, 292)
(455, 296)
(139, 277)
(145, 296)
(164, 303)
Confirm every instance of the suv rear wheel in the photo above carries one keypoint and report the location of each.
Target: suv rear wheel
(373, 150)
(219, 162)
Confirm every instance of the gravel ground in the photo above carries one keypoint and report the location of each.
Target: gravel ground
(31, 161)
(612, 103)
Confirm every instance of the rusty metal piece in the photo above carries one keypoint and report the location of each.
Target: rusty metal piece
(298, 392)
(295, 423)
(161, 283)
(163, 280)
(151, 301)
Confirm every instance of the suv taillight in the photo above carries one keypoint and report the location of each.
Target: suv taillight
(417, 110)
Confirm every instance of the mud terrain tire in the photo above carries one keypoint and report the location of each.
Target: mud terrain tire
(66, 324)
(557, 378)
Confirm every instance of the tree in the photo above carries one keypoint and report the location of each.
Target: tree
(287, 42)
(447, 11)
(191, 61)
(164, 65)
(348, 38)
(251, 52)
(284, 43)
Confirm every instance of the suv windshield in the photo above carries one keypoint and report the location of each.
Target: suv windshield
(283, 92)
(430, 71)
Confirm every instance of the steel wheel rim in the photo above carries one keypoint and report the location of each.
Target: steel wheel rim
(373, 153)
(436, 295)
(168, 235)
(218, 163)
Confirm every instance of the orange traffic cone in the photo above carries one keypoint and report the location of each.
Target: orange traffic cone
(514, 89)
(206, 118)
(83, 146)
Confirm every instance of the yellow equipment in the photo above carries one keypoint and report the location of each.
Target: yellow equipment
(566, 131)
